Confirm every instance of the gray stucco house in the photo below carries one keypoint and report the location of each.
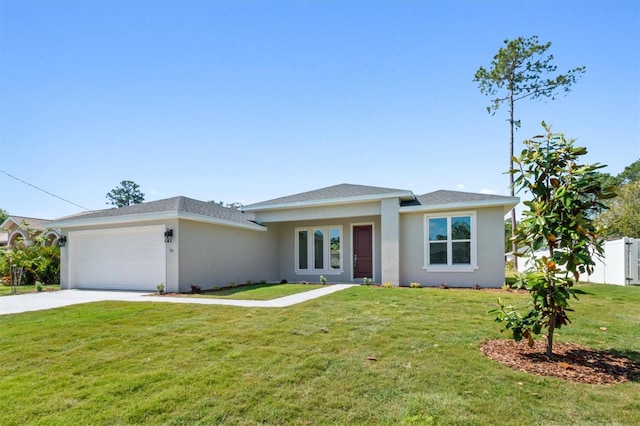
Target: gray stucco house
(344, 232)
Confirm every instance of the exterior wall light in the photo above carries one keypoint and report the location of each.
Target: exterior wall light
(168, 235)
(62, 241)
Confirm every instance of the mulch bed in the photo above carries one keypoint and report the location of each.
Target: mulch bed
(569, 362)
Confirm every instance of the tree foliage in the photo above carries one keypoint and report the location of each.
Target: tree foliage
(126, 194)
(622, 219)
(522, 69)
(558, 220)
(631, 173)
(3, 215)
(235, 205)
(38, 262)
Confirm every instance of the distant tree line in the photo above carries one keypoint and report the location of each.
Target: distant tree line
(622, 218)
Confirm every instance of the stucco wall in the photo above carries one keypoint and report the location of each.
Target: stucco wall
(214, 255)
(490, 252)
(286, 242)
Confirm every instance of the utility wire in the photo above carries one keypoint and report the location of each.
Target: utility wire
(46, 192)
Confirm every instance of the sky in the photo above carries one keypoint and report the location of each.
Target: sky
(244, 101)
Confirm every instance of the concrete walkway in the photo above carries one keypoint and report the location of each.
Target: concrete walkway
(56, 299)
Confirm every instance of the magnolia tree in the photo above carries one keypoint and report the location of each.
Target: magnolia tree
(558, 220)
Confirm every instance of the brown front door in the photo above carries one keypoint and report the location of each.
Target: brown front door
(363, 251)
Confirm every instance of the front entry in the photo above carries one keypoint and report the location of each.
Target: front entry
(363, 251)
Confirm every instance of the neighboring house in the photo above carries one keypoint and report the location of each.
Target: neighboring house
(344, 232)
(13, 228)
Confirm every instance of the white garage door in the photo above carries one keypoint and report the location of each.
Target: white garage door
(120, 259)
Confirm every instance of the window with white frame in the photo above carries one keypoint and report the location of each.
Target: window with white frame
(450, 242)
(318, 249)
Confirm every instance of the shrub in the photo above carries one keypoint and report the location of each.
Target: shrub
(196, 289)
(388, 284)
(283, 281)
(323, 280)
(366, 281)
(476, 286)
(263, 281)
(415, 285)
(39, 263)
(38, 286)
(249, 282)
(511, 281)
(160, 288)
(444, 286)
(233, 284)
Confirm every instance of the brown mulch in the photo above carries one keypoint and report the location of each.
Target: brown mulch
(569, 362)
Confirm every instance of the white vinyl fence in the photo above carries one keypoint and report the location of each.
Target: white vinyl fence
(620, 264)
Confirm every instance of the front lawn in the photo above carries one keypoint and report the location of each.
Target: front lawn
(258, 291)
(387, 356)
(5, 290)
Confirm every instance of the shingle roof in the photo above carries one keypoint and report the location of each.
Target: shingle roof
(341, 191)
(32, 222)
(175, 204)
(454, 197)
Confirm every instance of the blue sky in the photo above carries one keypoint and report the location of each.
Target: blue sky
(245, 101)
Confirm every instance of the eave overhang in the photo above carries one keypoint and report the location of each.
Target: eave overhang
(146, 217)
(402, 195)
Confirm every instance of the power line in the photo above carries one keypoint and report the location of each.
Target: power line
(46, 192)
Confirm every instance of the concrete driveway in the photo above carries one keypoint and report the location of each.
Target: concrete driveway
(56, 299)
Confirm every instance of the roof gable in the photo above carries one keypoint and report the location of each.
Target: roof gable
(14, 222)
(342, 192)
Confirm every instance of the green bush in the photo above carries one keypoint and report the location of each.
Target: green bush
(39, 263)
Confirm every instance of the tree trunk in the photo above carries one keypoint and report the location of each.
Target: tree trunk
(552, 307)
(514, 245)
(552, 327)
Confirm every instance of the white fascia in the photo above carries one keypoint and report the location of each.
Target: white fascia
(145, 217)
(507, 205)
(403, 195)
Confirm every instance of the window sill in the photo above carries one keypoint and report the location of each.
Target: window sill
(451, 268)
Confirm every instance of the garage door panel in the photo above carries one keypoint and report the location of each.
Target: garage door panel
(124, 258)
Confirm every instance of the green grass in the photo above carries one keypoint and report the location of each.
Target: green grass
(6, 290)
(258, 291)
(159, 363)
